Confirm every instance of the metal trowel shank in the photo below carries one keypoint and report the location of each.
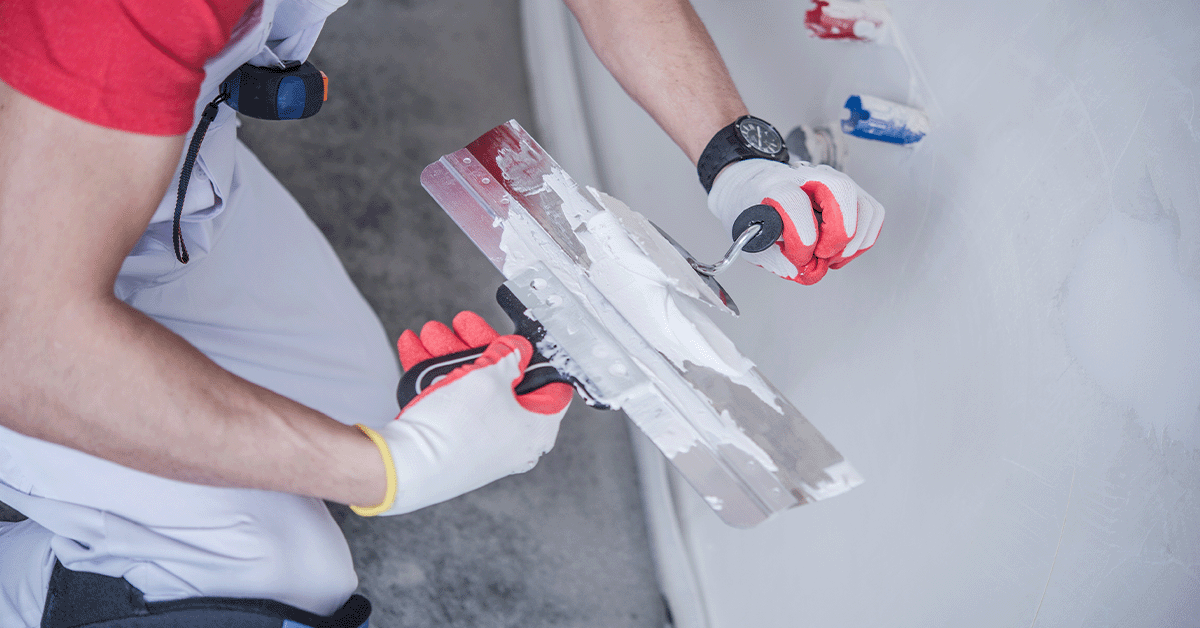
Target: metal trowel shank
(734, 437)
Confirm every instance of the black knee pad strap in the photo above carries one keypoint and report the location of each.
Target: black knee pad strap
(78, 599)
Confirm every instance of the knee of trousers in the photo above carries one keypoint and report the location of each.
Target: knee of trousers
(174, 540)
(317, 580)
(255, 544)
(301, 560)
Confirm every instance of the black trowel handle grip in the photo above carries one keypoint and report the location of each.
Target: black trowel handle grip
(539, 372)
(769, 221)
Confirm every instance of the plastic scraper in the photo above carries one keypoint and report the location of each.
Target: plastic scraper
(614, 308)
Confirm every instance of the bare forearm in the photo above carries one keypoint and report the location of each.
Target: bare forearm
(104, 379)
(84, 370)
(663, 56)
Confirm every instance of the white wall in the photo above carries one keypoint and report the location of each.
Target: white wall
(1015, 367)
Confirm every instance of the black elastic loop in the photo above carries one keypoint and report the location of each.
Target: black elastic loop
(185, 175)
(767, 218)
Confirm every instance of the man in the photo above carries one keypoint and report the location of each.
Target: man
(177, 425)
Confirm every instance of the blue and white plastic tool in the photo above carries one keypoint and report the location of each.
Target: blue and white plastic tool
(878, 119)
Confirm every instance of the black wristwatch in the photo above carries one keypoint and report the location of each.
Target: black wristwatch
(747, 138)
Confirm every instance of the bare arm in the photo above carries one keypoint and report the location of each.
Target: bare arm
(665, 59)
(82, 369)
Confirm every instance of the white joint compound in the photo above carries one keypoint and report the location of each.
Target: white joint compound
(653, 288)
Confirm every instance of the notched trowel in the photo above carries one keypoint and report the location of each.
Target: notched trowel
(619, 312)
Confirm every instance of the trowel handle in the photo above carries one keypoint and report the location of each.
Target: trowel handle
(539, 372)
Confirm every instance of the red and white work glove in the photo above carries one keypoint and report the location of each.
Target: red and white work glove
(827, 219)
(470, 428)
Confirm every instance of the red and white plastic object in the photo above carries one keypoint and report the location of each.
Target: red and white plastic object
(861, 20)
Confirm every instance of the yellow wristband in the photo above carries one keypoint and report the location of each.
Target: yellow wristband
(389, 496)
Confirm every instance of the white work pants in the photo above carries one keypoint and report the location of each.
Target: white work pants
(270, 302)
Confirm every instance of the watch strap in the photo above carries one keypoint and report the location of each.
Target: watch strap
(727, 147)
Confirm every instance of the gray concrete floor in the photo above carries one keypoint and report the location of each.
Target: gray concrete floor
(565, 544)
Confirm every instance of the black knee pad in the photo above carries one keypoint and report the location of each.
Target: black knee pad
(78, 599)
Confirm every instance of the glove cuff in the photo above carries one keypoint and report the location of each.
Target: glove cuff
(389, 497)
(745, 184)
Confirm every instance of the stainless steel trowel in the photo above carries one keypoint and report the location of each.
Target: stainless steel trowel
(755, 229)
(615, 308)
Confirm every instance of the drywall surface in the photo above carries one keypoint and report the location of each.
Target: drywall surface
(1015, 366)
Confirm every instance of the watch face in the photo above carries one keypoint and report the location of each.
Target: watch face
(760, 136)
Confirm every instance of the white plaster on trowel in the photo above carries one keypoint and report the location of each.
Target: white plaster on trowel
(649, 299)
(627, 258)
(844, 477)
(658, 305)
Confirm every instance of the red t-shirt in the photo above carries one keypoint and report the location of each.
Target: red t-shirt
(133, 65)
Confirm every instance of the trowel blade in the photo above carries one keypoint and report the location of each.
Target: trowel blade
(731, 434)
(712, 283)
(504, 168)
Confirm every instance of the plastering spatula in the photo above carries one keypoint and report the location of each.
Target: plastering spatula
(623, 317)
